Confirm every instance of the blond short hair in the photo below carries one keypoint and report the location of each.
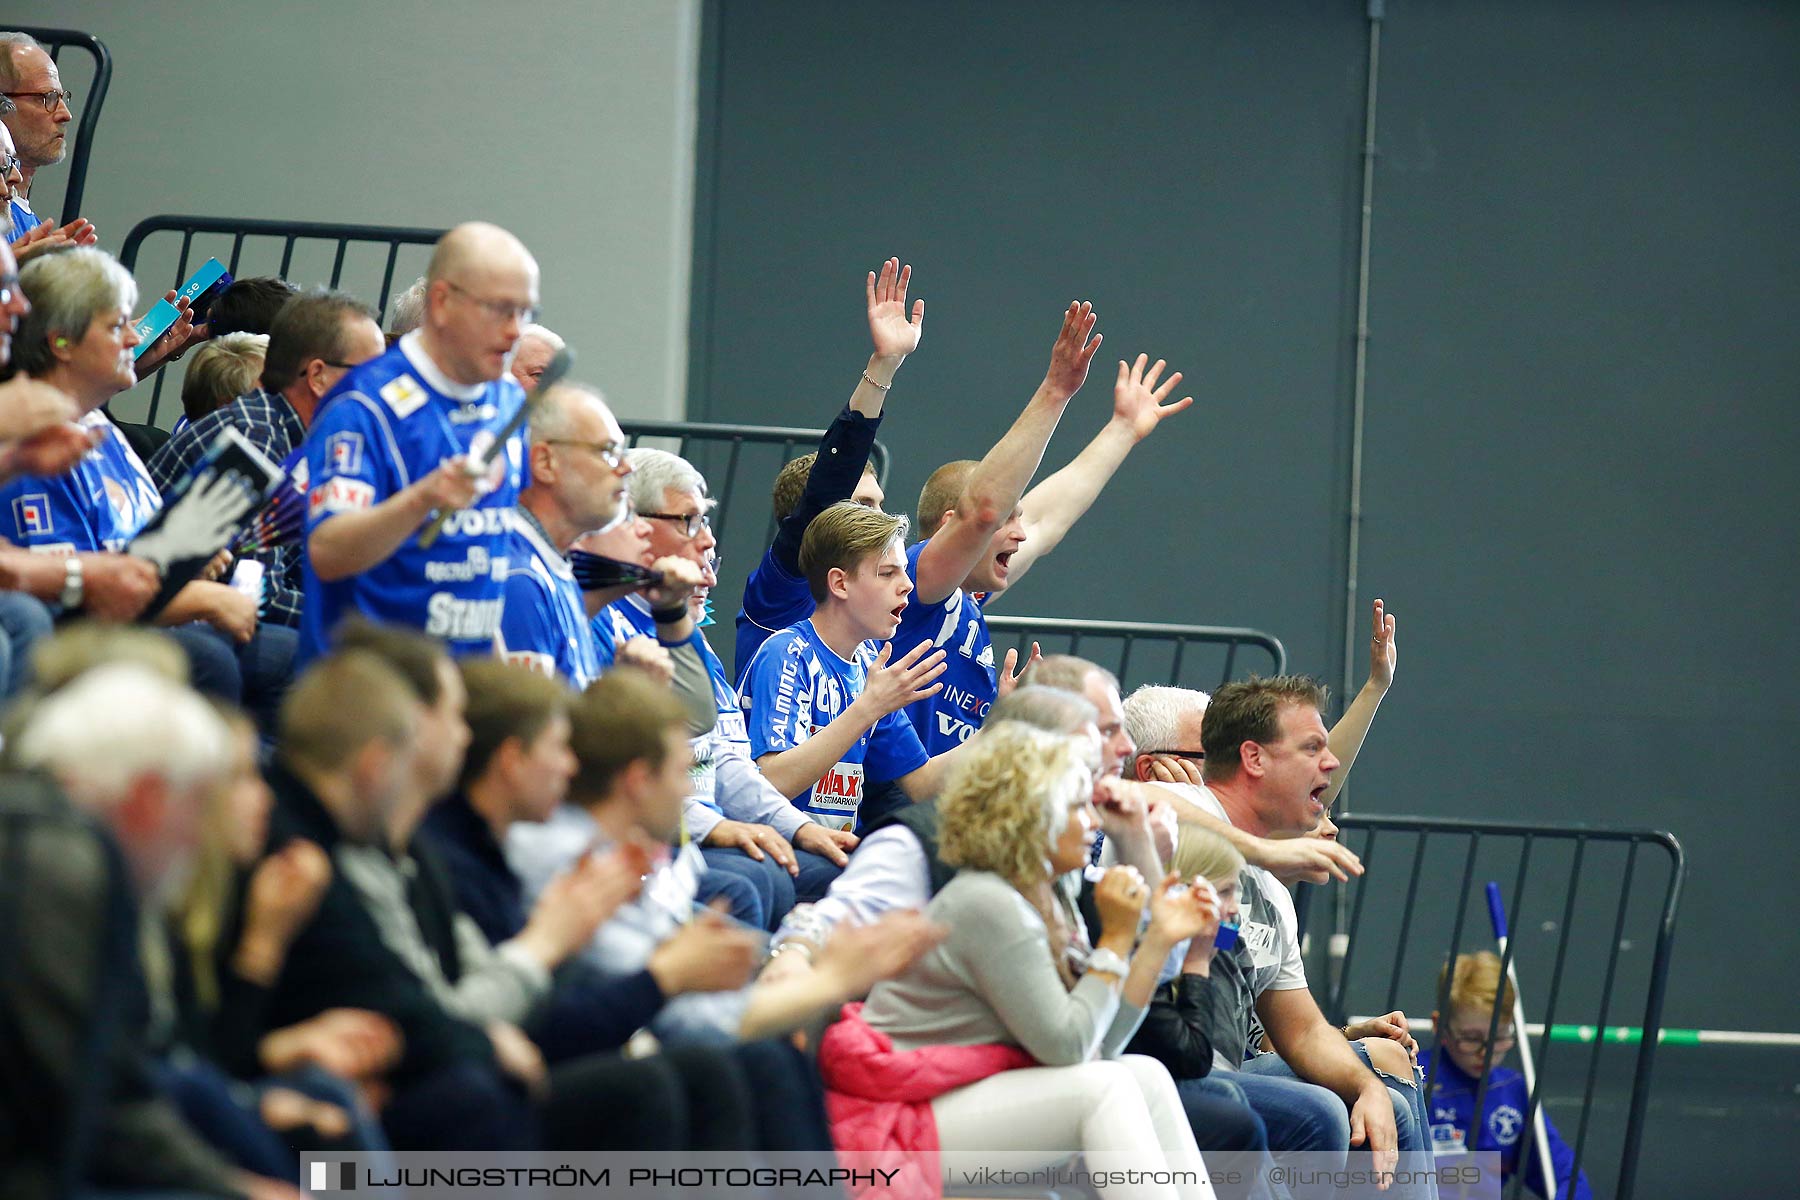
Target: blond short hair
(1200, 851)
(1475, 981)
(942, 493)
(790, 483)
(223, 369)
(843, 537)
(343, 702)
(1007, 800)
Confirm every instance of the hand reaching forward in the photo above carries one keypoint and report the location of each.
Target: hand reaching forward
(894, 336)
(861, 956)
(1009, 678)
(1138, 401)
(1384, 654)
(892, 687)
(1073, 351)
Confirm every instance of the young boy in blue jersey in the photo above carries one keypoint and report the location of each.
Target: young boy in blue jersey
(983, 531)
(410, 434)
(776, 595)
(578, 473)
(1475, 986)
(823, 705)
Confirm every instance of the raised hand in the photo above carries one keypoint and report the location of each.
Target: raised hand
(894, 336)
(1179, 912)
(284, 892)
(1138, 401)
(891, 687)
(1119, 897)
(679, 579)
(1009, 678)
(1308, 859)
(1383, 652)
(1074, 350)
(175, 341)
(708, 954)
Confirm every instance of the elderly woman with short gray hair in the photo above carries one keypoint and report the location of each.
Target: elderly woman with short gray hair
(78, 337)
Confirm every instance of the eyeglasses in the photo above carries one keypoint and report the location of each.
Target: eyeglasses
(500, 310)
(1506, 1035)
(691, 523)
(9, 163)
(49, 99)
(9, 290)
(1196, 755)
(611, 453)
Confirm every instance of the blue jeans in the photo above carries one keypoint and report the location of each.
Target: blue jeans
(254, 675)
(1412, 1130)
(23, 620)
(778, 890)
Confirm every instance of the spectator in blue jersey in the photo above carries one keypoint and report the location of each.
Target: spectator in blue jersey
(616, 643)
(578, 485)
(776, 595)
(39, 112)
(983, 530)
(1463, 1056)
(824, 706)
(317, 338)
(39, 436)
(744, 824)
(411, 434)
(78, 338)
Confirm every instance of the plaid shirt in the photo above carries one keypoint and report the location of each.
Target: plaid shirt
(269, 423)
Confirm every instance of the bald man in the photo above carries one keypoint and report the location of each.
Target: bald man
(410, 435)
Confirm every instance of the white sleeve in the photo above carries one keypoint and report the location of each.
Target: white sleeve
(1292, 974)
(745, 794)
(888, 871)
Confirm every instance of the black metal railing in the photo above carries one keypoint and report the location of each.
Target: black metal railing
(1581, 905)
(93, 99)
(362, 259)
(1138, 652)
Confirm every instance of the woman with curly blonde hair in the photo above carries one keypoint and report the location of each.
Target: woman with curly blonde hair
(1018, 970)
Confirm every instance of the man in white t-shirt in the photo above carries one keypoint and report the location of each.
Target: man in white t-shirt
(1267, 769)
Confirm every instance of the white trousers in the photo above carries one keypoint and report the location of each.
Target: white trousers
(1121, 1115)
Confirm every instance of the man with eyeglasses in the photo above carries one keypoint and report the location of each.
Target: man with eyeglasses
(316, 338)
(409, 436)
(36, 110)
(578, 472)
(743, 823)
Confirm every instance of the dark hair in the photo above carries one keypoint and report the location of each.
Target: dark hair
(249, 305)
(409, 653)
(1250, 711)
(506, 701)
(623, 717)
(309, 326)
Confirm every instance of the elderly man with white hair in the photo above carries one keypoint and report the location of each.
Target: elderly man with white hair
(743, 823)
(136, 786)
(537, 346)
(36, 111)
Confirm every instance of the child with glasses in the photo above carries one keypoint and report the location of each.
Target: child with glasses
(1463, 1055)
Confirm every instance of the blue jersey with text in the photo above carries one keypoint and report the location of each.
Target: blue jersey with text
(389, 424)
(957, 627)
(1451, 1093)
(778, 598)
(545, 622)
(100, 505)
(796, 686)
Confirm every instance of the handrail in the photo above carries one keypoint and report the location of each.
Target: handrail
(1130, 633)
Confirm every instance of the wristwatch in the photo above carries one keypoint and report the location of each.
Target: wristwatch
(72, 589)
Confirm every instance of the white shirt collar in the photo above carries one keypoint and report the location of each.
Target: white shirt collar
(413, 346)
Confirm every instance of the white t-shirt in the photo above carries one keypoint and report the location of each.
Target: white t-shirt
(1271, 929)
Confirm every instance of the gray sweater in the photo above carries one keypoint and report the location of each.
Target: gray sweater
(993, 981)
